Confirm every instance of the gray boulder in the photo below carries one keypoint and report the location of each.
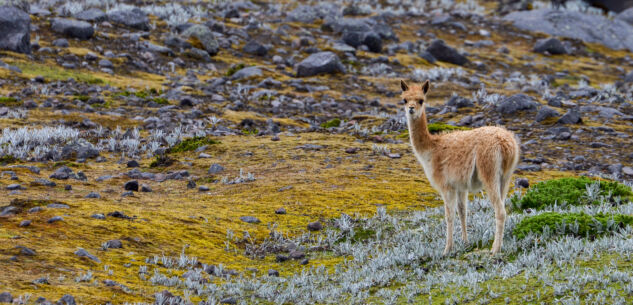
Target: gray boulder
(571, 117)
(515, 103)
(550, 45)
(93, 15)
(615, 34)
(134, 18)
(73, 28)
(309, 14)
(247, 72)
(546, 113)
(442, 52)
(83, 253)
(15, 30)
(255, 48)
(204, 36)
(320, 63)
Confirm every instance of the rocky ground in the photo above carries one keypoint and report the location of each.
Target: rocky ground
(144, 141)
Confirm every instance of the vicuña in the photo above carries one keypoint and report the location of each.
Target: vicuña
(459, 162)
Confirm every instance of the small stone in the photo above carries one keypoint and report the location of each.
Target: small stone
(275, 138)
(83, 253)
(98, 216)
(280, 211)
(67, 299)
(146, 189)
(571, 117)
(550, 45)
(25, 223)
(26, 251)
(203, 188)
(273, 272)
(250, 219)
(68, 187)
(127, 194)
(285, 188)
(315, 226)
(304, 261)
(55, 219)
(522, 182)
(35, 209)
(281, 258)
(15, 186)
(114, 244)
(93, 195)
(6, 297)
(351, 150)
(297, 254)
(132, 163)
(131, 185)
(394, 156)
(229, 300)
(215, 169)
(191, 184)
(204, 156)
(627, 170)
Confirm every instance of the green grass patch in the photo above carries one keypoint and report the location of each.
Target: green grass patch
(331, 123)
(235, 68)
(572, 191)
(191, 144)
(56, 73)
(9, 101)
(574, 224)
(160, 100)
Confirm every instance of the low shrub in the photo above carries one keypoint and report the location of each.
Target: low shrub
(574, 191)
(574, 224)
(162, 161)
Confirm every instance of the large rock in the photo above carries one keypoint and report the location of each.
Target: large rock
(546, 113)
(134, 18)
(517, 102)
(571, 117)
(15, 30)
(443, 52)
(93, 15)
(550, 45)
(615, 34)
(320, 63)
(309, 14)
(371, 39)
(73, 28)
(202, 36)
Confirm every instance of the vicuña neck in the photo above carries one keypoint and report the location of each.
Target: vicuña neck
(421, 138)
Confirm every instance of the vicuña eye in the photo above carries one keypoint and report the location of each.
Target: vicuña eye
(404, 101)
(420, 101)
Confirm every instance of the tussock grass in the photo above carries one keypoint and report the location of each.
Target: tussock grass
(574, 224)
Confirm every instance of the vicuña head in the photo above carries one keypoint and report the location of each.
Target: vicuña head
(460, 162)
(414, 98)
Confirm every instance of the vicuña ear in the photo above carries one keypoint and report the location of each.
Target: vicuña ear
(404, 85)
(426, 86)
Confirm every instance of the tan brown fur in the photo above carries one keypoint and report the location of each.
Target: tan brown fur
(462, 161)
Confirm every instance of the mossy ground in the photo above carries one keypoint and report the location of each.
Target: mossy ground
(174, 215)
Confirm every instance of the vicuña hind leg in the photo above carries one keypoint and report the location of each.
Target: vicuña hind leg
(490, 175)
(450, 201)
(462, 210)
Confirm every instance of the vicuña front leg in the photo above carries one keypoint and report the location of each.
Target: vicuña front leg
(450, 201)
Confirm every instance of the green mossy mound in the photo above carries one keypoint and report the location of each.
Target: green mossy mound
(192, 144)
(574, 224)
(572, 191)
(331, 123)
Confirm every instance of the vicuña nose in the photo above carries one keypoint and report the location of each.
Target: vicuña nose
(411, 110)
